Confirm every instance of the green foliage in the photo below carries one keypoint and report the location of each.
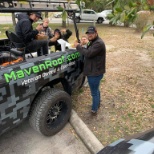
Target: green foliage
(97, 5)
(125, 11)
(78, 2)
(64, 15)
(146, 29)
(152, 106)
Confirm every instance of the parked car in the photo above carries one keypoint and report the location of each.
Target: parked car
(105, 13)
(16, 14)
(58, 15)
(141, 143)
(88, 15)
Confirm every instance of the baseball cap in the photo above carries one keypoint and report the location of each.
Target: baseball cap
(38, 14)
(91, 29)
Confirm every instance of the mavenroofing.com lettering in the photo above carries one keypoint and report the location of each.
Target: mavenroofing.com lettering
(14, 75)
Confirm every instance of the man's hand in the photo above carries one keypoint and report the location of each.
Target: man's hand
(63, 31)
(76, 43)
(57, 36)
(53, 39)
(41, 37)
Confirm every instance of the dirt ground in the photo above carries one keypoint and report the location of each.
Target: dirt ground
(127, 90)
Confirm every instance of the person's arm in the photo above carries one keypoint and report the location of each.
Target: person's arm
(92, 51)
(50, 33)
(67, 34)
(54, 38)
(27, 31)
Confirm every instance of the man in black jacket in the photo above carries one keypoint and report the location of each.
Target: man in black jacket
(26, 33)
(59, 34)
(94, 64)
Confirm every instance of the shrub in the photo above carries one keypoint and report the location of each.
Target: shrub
(142, 19)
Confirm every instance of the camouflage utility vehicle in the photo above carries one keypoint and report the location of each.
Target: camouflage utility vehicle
(27, 86)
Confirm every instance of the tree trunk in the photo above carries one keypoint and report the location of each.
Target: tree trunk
(64, 23)
(46, 14)
(126, 24)
(13, 20)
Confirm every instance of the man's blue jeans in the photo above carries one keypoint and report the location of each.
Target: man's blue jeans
(94, 82)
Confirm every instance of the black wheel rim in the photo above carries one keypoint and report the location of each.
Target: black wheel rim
(56, 114)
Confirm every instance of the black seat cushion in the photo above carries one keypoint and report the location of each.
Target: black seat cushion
(17, 52)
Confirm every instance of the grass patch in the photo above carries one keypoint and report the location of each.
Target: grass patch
(5, 14)
(5, 27)
(130, 115)
(103, 80)
(151, 53)
(152, 106)
(81, 91)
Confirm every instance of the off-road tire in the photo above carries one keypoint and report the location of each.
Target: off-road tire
(50, 112)
(100, 20)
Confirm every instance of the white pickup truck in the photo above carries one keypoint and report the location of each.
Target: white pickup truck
(88, 15)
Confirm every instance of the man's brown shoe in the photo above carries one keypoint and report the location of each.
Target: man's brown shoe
(94, 113)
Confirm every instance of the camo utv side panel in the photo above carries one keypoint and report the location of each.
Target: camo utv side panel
(142, 143)
(19, 83)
